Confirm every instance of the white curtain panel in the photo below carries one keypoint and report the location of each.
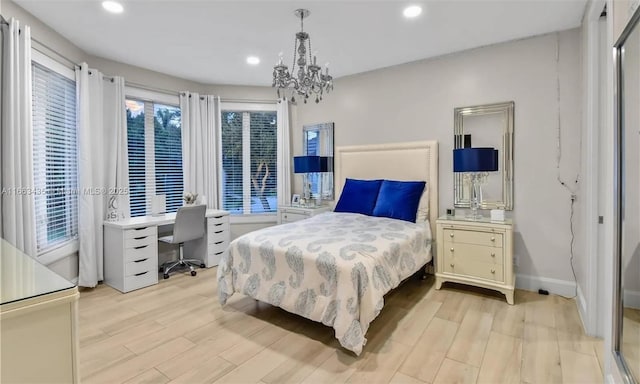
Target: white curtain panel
(200, 127)
(117, 155)
(18, 209)
(284, 152)
(91, 175)
(103, 165)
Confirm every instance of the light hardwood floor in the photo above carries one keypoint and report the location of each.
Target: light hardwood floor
(176, 332)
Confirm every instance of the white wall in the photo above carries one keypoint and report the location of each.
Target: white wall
(415, 101)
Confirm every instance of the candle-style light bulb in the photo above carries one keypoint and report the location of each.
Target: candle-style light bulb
(326, 68)
(280, 55)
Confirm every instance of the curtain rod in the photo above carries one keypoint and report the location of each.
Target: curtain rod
(257, 101)
(145, 87)
(153, 89)
(45, 50)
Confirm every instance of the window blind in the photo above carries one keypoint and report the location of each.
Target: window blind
(249, 161)
(55, 157)
(154, 139)
(264, 170)
(168, 155)
(136, 149)
(232, 190)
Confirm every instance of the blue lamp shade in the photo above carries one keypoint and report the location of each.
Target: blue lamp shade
(475, 160)
(309, 164)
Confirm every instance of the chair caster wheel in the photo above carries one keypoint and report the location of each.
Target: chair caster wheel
(166, 275)
(193, 273)
(160, 269)
(203, 265)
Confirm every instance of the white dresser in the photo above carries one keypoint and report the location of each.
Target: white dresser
(39, 317)
(131, 248)
(477, 253)
(289, 214)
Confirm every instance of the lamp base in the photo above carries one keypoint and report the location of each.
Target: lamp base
(476, 195)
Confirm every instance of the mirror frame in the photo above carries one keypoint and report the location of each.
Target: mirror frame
(618, 194)
(506, 155)
(319, 127)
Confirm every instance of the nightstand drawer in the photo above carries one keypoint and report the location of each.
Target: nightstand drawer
(493, 272)
(288, 217)
(469, 252)
(489, 239)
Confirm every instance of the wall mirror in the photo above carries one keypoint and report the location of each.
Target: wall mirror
(627, 288)
(488, 125)
(318, 141)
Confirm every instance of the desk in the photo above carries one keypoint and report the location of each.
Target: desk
(39, 322)
(131, 247)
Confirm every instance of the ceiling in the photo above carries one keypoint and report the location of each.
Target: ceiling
(208, 41)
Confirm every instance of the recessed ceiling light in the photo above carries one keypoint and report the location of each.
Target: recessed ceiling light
(112, 6)
(253, 60)
(412, 11)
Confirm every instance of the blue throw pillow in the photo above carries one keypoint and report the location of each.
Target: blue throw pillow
(358, 196)
(399, 199)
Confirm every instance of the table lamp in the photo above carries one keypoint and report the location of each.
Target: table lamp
(306, 165)
(475, 163)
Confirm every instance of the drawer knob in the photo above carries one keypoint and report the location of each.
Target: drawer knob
(451, 234)
(493, 238)
(493, 271)
(451, 249)
(493, 254)
(451, 265)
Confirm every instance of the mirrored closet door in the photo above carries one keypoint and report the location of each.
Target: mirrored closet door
(627, 324)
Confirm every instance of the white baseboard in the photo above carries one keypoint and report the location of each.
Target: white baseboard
(581, 301)
(631, 299)
(554, 286)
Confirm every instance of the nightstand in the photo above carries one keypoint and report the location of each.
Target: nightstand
(475, 252)
(289, 214)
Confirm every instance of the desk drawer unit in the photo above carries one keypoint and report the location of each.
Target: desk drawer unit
(130, 257)
(218, 238)
(476, 253)
(215, 242)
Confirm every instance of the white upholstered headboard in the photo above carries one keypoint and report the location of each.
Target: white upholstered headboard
(414, 161)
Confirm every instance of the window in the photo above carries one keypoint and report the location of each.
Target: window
(55, 155)
(154, 139)
(249, 159)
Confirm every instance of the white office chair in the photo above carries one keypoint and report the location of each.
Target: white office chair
(189, 225)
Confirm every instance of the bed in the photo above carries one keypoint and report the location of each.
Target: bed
(335, 268)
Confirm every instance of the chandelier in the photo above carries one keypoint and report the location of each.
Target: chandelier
(309, 79)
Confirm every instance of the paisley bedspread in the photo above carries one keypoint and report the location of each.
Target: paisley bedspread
(334, 268)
